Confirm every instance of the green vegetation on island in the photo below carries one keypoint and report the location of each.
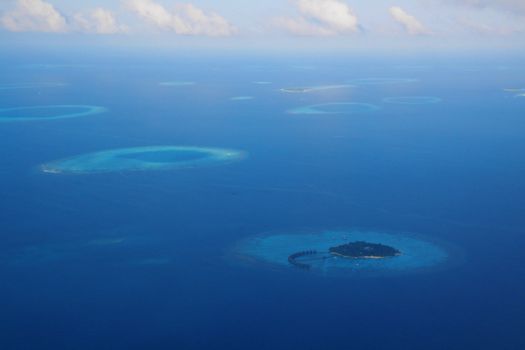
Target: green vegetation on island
(364, 250)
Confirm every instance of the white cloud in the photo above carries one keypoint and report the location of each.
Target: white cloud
(334, 14)
(410, 23)
(483, 28)
(490, 17)
(516, 6)
(33, 16)
(99, 21)
(300, 26)
(321, 17)
(184, 19)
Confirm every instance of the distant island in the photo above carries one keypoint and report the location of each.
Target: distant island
(353, 250)
(364, 250)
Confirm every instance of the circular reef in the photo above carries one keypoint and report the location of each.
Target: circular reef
(177, 83)
(299, 90)
(335, 108)
(242, 98)
(382, 81)
(344, 251)
(51, 112)
(412, 100)
(30, 85)
(143, 158)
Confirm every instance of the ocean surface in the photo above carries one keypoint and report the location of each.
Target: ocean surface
(431, 146)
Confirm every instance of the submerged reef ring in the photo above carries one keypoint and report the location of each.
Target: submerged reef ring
(177, 83)
(336, 108)
(382, 81)
(54, 66)
(301, 90)
(520, 92)
(143, 158)
(242, 98)
(412, 100)
(314, 251)
(30, 85)
(49, 112)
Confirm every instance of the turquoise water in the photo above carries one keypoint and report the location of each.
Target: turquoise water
(135, 252)
(142, 158)
(177, 83)
(51, 112)
(413, 100)
(318, 88)
(335, 108)
(242, 98)
(30, 85)
(382, 81)
(416, 252)
(169, 156)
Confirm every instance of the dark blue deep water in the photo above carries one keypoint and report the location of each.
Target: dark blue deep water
(143, 260)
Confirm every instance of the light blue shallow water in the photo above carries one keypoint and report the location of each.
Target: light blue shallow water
(412, 100)
(143, 158)
(177, 83)
(242, 98)
(416, 253)
(318, 88)
(31, 85)
(382, 81)
(50, 112)
(143, 256)
(335, 108)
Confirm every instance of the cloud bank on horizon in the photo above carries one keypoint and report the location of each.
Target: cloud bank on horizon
(509, 5)
(410, 23)
(33, 16)
(42, 16)
(320, 17)
(184, 19)
(315, 18)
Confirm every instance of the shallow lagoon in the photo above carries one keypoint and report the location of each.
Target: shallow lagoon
(143, 158)
(454, 175)
(176, 83)
(242, 98)
(416, 252)
(382, 81)
(335, 108)
(30, 85)
(412, 100)
(50, 112)
(307, 89)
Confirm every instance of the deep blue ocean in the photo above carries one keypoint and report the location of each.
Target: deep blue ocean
(145, 259)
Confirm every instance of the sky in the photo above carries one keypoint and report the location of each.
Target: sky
(279, 23)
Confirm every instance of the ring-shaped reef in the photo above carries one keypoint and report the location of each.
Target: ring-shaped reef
(315, 251)
(143, 158)
(15, 86)
(177, 83)
(242, 98)
(307, 89)
(382, 81)
(520, 92)
(412, 100)
(49, 112)
(335, 108)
